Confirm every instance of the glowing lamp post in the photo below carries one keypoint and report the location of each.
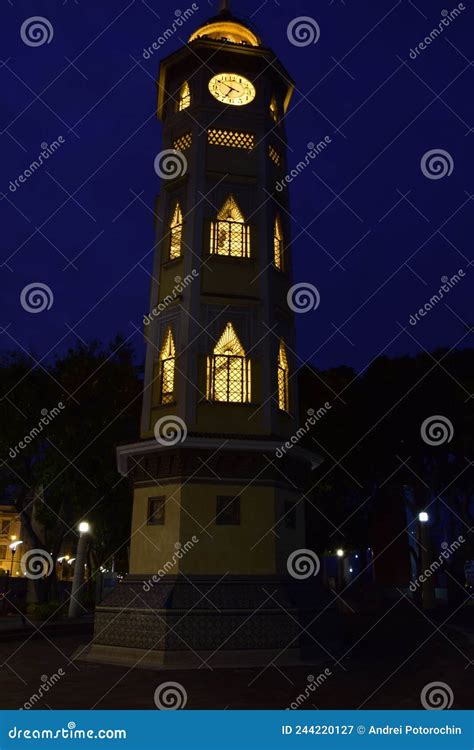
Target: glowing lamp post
(75, 607)
(427, 580)
(340, 568)
(13, 546)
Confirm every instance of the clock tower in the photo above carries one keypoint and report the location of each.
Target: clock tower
(217, 504)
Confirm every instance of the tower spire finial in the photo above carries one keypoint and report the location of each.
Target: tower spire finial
(224, 6)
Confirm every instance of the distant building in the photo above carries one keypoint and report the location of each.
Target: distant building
(10, 531)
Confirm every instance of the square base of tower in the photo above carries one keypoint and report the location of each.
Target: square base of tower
(199, 622)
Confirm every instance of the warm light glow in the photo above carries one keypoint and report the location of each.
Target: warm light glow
(283, 379)
(274, 156)
(183, 142)
(229, 234)
(278, 244)
(274, 109)
(232, 88)
(184, 97)
(340, 552)
(231, 139)
(176, 232)
(423, 517)
(167, 367)
(84, 527)
(228, 372)
(13, 537)
(228, 31)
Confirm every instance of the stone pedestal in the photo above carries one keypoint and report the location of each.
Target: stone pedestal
(202, 622)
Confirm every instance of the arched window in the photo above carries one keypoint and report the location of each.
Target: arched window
(283, 401)
(184, 97)
(230, 235)
(228, 371)
(274, 109)
(278, 244)
(166, 372)
(176, 232)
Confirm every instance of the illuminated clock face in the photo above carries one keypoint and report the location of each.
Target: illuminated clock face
(232, 88)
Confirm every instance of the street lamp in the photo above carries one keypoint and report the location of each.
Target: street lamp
(340, 569)
(75, 606)
(13, 546)
(428, 598)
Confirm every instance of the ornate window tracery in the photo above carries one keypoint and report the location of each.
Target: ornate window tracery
(176, 233)
(230, 235)
(278, 244)
(167, 368)
(184, 100)
(283, 379)
(228, 370)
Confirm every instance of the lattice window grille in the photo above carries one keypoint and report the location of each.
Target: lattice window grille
(231, 139)
(274, 156)
(183, 142)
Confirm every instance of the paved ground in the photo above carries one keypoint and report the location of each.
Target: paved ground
(386, 666)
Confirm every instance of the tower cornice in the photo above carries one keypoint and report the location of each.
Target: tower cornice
(212, 47)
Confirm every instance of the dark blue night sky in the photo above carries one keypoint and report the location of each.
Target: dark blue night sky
(372, 232)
